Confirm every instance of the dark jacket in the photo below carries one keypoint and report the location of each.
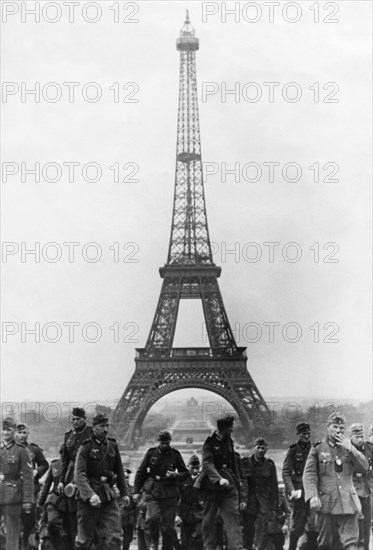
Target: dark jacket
(38, 461)
(262, 485)
(219, 461)
(98, 467)
(16, 474)
(72, 441)
(364, 481)
(49, 493)
(151, 474)
(190, 506)
(293, 467)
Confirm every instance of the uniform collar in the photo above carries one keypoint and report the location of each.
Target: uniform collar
(99, 441)
(331, 443)
(8, 445)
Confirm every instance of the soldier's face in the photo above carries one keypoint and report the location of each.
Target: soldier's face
(8, 434)
(335, 429)
(77, 422)
(101, 430)
(21, 436)
(260, 451)
(194, 470)
(304, 437)
(357, 440)
(165, 444)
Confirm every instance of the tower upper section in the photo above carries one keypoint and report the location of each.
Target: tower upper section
(189, 242)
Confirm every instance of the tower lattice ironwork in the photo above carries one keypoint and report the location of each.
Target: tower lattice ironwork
(190, 273)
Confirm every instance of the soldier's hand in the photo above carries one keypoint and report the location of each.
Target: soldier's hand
(95, 501)
(27, 507)
(243, 506)
(136, 498)
(126, 501)
(178, 520)
(223, 482)
(35, 472)
(171, 475)
(343, 441)
(284, 528)
(60, 487)
(295, 495)
(315, 503)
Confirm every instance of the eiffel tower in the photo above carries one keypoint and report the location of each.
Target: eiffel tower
(190, 273)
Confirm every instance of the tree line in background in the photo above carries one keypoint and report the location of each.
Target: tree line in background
(278, 428)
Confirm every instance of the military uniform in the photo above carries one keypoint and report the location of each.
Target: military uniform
(128, 518)
(30, 519)
(53, 525)
(328, 475)
(190, 512)
(276, 536)
(16, 488)
(292, 472)
(98, 467)
(73, 439)
(262, 502)
(363, 483)
(220, 462)
(161, 493)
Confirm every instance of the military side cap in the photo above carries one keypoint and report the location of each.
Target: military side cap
(260, 441)
(9, 422)
(356, 429)
(21, 426)
(225, 421)
(303, 427)
(78, 411)
(194, 461)
(100, 418)
(336, 418)
(164, 436)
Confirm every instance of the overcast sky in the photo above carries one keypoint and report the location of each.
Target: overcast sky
(328, 128)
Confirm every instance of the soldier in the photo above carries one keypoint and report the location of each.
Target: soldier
(128, 513)
(292, 472)
(280, 525)
(53, 525)
(98, 467)
(220, 486)
(328, 486)
(73, 439)
(262, 503)
(158, 476)
(40, 465)
(190, 509)
(16, 483)
(363, 483)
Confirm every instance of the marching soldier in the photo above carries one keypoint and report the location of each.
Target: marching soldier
(363, 483)
(292, 472)
(53, 525)
(158, 476)
(190, 509)
(73, 439)
(16, 483)
(98, 468)
(328, 486)
(40, 465)
(220, 486)
(262, 503)
(128, 513)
